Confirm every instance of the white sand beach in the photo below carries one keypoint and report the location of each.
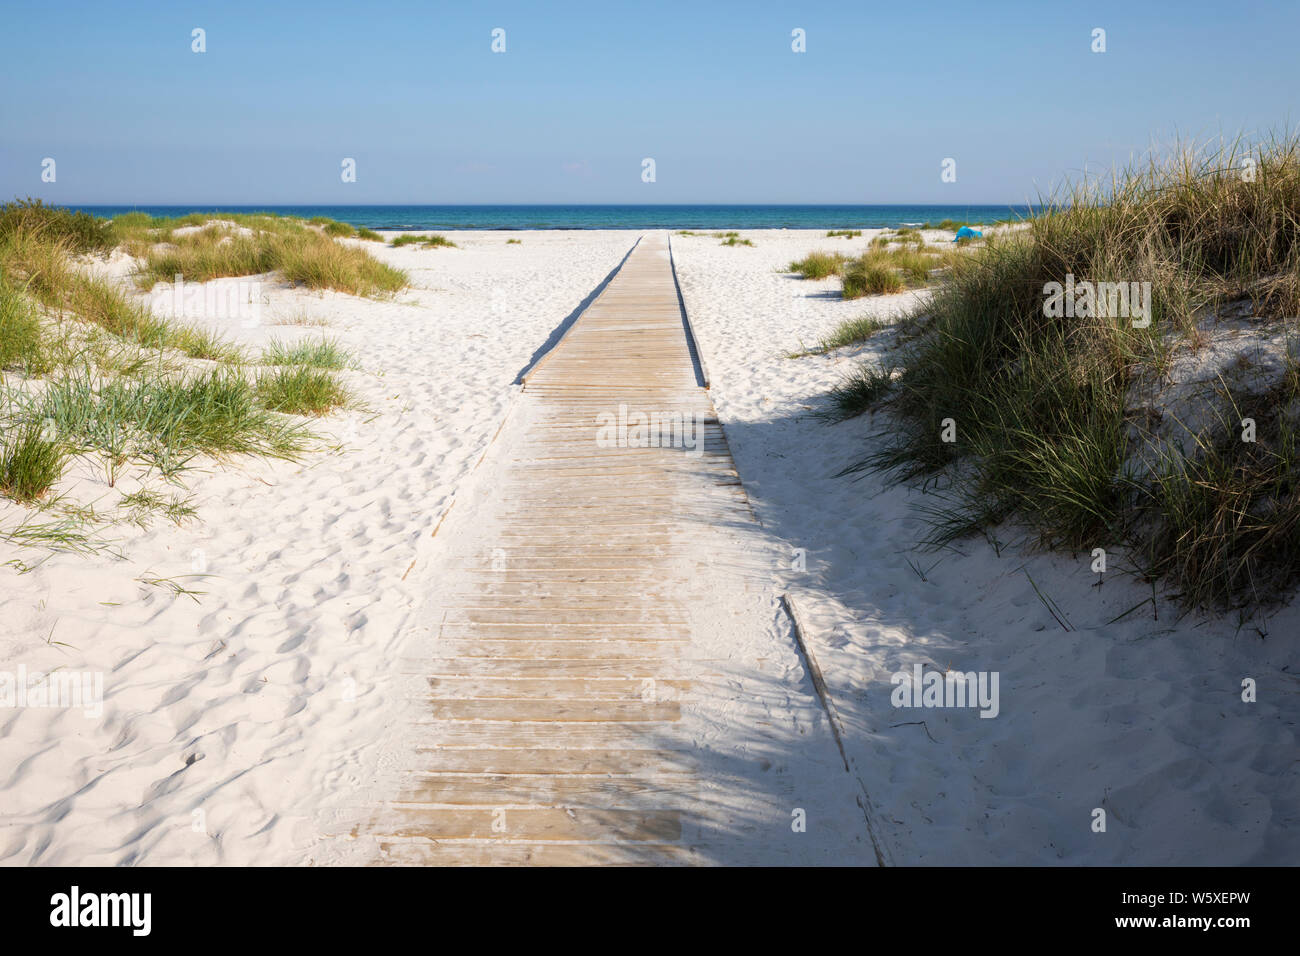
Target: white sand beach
(247, 724)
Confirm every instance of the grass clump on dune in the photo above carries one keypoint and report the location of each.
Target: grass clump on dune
(22, 340)
(167, 421)
(819, 265)
(879, 271)
(858, 392)
(870, 276)
(30, 463)
(319, 353)
(852, 332)
(53, 282)
(301, 390)
(320, 263)
(1224, 521)
(1040, 412)
(76, 231)
(213, 252)
(843, 233)
(428, 242)
(42, 264)
(199, 343)
(96, 376)
(299, 254)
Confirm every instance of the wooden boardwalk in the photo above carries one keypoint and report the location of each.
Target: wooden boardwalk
(564, 651)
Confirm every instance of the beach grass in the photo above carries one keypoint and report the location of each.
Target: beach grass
(1038, 418)
(199, 343)
(140, 507)
(300, 255)
(165, 422)
(301, 390)
(92, 375)
(320, 263)
(30, 462)
(77, 231)
(881, 270)
(41, 261)
(303, 319)
(315, 353)
(852, 332)
(871, 275)
(429, 242)
(23, 343)
(819, 265)
(858, 392)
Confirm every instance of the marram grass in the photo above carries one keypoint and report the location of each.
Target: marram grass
(1039, 410)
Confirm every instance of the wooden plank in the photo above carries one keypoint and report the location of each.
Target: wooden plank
(535, 761)
(428, 853)
(547, 688)
(550, 710)
(551, 735)
(545, 823)
(530, 649)
(588, 791)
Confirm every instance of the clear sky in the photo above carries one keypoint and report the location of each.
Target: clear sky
(712, 91)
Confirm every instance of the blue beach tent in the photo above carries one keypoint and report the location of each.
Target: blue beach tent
(966, 232)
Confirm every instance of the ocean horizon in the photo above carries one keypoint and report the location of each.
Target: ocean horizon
(613, 216)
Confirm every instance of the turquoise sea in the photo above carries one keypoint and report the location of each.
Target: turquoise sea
(612, 217)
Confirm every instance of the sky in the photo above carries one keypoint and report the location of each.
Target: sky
(585, 91)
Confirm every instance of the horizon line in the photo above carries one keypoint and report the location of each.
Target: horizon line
(547, 204)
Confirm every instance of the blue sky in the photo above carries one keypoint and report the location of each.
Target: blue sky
(585, 91)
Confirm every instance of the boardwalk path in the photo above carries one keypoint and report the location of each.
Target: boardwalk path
(609, 677)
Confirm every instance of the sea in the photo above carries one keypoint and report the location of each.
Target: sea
(613, 217)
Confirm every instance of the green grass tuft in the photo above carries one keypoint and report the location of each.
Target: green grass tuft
(30, 462)
(301, 391)
(428, 242)
(852, 332)
(858, 392)
(870, 276)
(819, 265)
(22, 341)
(318, 353)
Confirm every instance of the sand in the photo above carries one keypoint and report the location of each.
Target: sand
(1143, 719)
(239, 729)
(229, 722)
